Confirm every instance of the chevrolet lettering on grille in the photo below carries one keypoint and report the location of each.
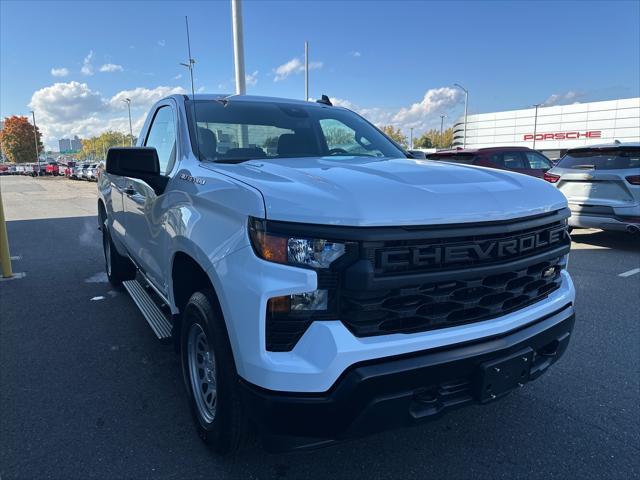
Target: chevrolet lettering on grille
(416, 257)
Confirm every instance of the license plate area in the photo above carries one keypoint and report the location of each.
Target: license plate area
(498, 377)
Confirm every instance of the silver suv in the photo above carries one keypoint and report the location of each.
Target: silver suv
(602, 185)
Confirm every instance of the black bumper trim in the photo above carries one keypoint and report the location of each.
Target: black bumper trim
(399, 391)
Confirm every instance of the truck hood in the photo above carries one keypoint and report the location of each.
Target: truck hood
(360, 191)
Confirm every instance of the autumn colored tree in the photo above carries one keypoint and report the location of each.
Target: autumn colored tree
(17, 141)
(433, 139)
(96, 147)
(395, 134)
(424, 141)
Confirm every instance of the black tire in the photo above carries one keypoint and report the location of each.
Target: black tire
(118, 268)
(227, 430)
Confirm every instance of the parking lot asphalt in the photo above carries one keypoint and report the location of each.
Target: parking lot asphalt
(86, 391)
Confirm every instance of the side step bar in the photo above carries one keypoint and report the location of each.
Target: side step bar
(158, 322)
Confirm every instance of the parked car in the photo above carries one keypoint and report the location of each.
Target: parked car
(602, 185)
(84, 171)
(68, 168)
(12, 169)
(92, 172)
(75, 172)
(514, 159)
(52, 168)
(319, 291)
(4, 169)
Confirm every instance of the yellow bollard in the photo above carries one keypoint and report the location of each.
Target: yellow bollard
(5, 257)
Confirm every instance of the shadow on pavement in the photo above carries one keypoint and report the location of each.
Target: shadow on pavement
(601, 238)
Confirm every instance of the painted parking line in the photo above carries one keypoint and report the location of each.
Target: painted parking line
(628, 273)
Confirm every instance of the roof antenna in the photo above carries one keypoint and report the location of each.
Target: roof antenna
(325, 100)
(193, 92)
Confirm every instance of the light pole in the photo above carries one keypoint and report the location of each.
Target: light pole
(128, 102)
(238, 46)
(35, 137)
(306, 71)
(411, 139)
(535, 124)
(466, 103)
(442, 115)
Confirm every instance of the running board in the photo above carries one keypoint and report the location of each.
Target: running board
(150, 311)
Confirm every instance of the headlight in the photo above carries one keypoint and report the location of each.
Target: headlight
(290, 250)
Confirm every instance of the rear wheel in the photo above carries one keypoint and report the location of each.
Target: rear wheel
(118, 268)
(210, 376)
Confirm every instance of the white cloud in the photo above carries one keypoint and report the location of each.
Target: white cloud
(87, 66)
(421, 115)
(563, 98)
(434, 101)
(161, 43)
(355, 54)
(142, 98)
(73, 108)
(178, 77)
(293, 66)
(111, 67)
(60, 72)
(252, 78)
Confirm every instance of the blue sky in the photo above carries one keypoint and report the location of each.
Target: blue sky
(393, 61)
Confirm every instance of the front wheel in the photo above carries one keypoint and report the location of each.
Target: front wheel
(210, 376)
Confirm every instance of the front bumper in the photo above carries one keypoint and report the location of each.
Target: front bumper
(400, 391)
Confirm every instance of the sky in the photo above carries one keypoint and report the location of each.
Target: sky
(395, 62)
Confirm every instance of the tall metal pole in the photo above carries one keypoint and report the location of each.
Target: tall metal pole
(441, 126)
(466, 103)
(35, 137)
(535, 124)
(411, 138)
(306, 71)
(128, 102)
(238, 46)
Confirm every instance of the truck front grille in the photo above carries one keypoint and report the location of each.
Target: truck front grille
(427, 306)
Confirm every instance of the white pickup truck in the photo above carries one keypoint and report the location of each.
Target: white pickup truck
(318, 282)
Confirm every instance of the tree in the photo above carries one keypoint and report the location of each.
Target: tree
(395, 134)
(338, 136)
(433, 139)
(96, 147)
(423, 142)
(17, 142)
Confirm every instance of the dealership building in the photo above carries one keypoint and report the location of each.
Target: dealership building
(552, 130)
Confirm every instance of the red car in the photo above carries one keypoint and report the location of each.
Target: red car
(515, 159)
(52, 168)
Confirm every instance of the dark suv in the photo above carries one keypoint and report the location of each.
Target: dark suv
(515, 159)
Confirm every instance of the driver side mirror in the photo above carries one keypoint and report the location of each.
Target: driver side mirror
(141, 163)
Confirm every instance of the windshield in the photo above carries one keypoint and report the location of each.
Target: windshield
(244, 130)
(614, 159)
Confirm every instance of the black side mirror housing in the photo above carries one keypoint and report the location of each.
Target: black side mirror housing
(137, 162)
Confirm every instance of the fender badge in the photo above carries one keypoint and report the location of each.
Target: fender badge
(189, 178)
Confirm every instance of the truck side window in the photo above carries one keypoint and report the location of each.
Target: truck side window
(162, 136)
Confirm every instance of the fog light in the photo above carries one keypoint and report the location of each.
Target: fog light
(316, 300)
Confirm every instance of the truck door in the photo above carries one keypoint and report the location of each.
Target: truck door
(144, 216)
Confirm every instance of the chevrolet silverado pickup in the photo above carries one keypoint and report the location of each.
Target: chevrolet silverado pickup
(317, 281)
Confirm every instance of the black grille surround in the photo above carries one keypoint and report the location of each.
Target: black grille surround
(430, 277)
